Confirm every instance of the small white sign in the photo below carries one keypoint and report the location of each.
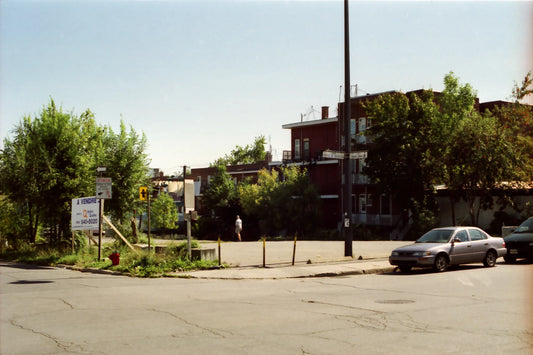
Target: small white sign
(85, 213)
(332, 154)
(104, 188)
(362, 154)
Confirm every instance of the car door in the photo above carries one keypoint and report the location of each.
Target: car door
(461, 250)
(480, 244)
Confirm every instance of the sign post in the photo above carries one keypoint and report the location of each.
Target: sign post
(144, 195)
(103, 191)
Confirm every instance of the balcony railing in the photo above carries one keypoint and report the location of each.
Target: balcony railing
(360, 179)
(375, 219)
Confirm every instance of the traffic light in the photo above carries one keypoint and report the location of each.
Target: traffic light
(143, 193)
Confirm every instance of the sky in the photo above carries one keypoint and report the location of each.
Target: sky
(200, 77)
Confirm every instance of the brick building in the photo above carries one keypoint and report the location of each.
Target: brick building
(309, 140)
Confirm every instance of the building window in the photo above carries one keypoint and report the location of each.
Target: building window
(362, 124)
(307, 153)
(362, 204)
(385, 204)
(360, 166)
(297, 149)
(352, 127)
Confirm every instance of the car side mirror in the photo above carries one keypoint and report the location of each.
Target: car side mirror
(456, 240)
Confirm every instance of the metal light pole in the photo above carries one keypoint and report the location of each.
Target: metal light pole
(347, 187)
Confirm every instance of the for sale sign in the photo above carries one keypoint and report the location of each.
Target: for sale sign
(85, 213)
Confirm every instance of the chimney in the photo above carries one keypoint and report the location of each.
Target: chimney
(325, 112)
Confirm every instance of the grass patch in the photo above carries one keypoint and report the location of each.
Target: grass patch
(140, 264)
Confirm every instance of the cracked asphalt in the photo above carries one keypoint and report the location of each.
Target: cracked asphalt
(470, 309)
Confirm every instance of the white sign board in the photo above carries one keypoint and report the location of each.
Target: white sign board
(103, 188)
(361, 154)
(189, 195)
(85, 213)
(332, 154)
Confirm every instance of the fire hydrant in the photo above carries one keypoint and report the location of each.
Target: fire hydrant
(115, 258)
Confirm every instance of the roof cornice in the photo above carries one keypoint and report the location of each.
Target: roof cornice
(309, 123)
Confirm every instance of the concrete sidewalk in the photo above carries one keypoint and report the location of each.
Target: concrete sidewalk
(311, 259)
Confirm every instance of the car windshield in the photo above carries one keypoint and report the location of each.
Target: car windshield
(525, 227)
(436, 236)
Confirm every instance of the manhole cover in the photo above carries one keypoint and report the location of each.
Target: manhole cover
(395, 301)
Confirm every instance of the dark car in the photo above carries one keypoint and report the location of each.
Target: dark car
(442, 247)
(519, 244)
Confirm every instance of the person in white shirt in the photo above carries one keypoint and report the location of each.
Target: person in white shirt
(238, 227)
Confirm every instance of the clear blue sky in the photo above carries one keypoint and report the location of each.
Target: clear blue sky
(199, 77)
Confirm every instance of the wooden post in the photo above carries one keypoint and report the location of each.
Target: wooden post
(294, 249)
(100, 229)
(149, 227)
(118, 233)
(219, 257)
(264, 251)
(189, 235)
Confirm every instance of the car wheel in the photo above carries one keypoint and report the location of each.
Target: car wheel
(490, 259)
(405, 268)
(441, 263)
(509, 259)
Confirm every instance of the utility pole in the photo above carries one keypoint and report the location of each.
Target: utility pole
(149, 212)
(347, 167)
(187, 216)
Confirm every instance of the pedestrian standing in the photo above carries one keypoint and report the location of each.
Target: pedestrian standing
(238, 227)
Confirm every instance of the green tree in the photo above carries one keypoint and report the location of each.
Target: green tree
(401, 159)
(481, 149)
(457, 103)
(220, 196)
(428, 139)
(284, 200)
(517, 118)
(124, 156)
(164, 212)
(13, 223)
(250, 154)
(481, 155)
(52, 159)
(47, 164)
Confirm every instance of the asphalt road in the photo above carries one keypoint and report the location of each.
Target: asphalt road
(471, 309)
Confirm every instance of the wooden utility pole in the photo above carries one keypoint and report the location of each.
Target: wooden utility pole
(187, 217)
(149, 212)
(347, 166)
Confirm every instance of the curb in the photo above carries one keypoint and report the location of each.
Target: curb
(257, 272)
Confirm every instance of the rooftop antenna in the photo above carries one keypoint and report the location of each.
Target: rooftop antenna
(310, 111)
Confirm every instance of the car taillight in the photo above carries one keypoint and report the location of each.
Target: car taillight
(503, 243)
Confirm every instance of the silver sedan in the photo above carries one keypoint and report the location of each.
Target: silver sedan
(441, 247)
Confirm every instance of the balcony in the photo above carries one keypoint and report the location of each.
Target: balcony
(360, 179)
(375, 219)
(287, 155)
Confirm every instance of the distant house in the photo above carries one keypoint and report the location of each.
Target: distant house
(239, 173)
(311, 138)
